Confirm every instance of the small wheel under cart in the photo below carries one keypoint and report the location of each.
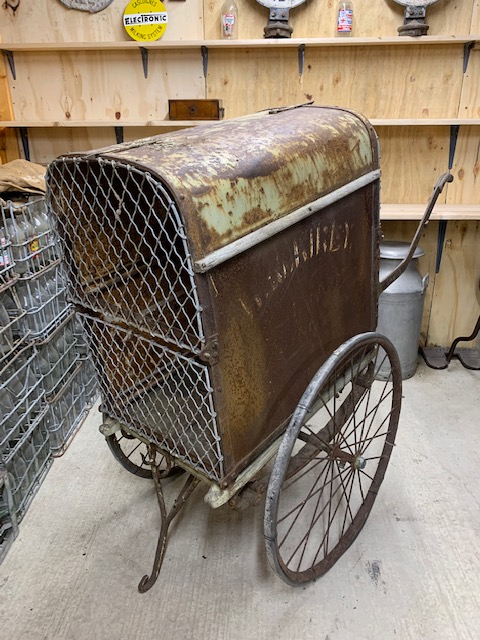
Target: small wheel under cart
(133, 455)
(332, 459)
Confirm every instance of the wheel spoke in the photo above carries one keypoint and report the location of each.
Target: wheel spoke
(312, 494)
(320, 494)
(373, 411)
(330, 520)
(348, 510)
(315, 522)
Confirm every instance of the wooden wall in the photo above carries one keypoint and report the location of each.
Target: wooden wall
(405, 80)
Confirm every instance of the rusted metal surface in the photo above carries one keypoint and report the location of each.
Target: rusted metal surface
(232, 178)
(279, 311)
(236, 345)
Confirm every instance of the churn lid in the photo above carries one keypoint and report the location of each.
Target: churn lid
(395, 250)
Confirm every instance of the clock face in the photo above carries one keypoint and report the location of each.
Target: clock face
(416, 3)
(280, 4)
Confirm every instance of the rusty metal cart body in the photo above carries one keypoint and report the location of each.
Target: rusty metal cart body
(227, 280)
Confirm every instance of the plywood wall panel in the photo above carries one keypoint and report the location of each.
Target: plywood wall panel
(409, 82)
(103, 85)
(6, 111)
(452, 300)
(470, 96)
(466, 168)
(9, 148)
(50, 21)
(49, 143)
(456, 301)
(316, 18)
(475, 26)
(412, 159)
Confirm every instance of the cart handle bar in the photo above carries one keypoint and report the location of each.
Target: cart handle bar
(397, 272)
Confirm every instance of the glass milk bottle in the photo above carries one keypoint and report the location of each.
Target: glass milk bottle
(229, 20)
(344, 26)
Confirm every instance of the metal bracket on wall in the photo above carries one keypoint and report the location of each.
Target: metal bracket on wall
(25, 144)
(11, 62)
(467, 47)
(204, 51)
(144, 53)
(442, 225)
(119, 135)
(301, 59)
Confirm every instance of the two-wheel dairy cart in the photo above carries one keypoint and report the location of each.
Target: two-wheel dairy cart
(227, 281)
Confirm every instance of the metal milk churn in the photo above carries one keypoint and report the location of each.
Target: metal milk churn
(400, 306)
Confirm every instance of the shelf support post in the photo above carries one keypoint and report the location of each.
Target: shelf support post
(11, 62)
(144, 53)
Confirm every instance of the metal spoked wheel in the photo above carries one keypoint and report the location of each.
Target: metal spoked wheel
(132, 454)
(332, 459)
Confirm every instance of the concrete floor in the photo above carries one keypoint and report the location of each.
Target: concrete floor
(414, 571)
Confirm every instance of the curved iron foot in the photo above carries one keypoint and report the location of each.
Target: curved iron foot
(148, 581)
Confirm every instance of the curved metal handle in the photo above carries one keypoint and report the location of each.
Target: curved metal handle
(397, 272)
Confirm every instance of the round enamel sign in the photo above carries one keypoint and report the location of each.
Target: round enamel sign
(145, 20)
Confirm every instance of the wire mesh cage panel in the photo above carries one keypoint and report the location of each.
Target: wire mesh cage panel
(125, 249)
(165, 397)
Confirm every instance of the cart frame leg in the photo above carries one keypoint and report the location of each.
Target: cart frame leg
(166, 518)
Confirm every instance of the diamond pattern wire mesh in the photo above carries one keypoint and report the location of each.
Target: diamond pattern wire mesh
(125, 248)
(127, 261)
(160, 394)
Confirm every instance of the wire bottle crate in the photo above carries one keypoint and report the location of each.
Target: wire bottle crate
(66, 411)
(8, 520)
(28, 462)
(29, 236)
(57, 356)
(43, 297)
(7, 265)
(13, 331)
(21, 398)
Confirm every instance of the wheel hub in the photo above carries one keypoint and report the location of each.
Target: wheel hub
(345, 457)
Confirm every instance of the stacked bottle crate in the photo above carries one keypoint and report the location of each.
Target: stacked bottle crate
(43, 367)
(8, 520)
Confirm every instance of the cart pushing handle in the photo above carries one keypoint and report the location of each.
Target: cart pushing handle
(397, 272)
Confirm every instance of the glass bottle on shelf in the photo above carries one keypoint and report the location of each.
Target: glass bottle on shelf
(229, 20)
(344, 26)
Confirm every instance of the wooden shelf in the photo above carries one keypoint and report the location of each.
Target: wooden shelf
(423, 122)
(440, 212)
(376, 122)
(74, 124)
(236, 44)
